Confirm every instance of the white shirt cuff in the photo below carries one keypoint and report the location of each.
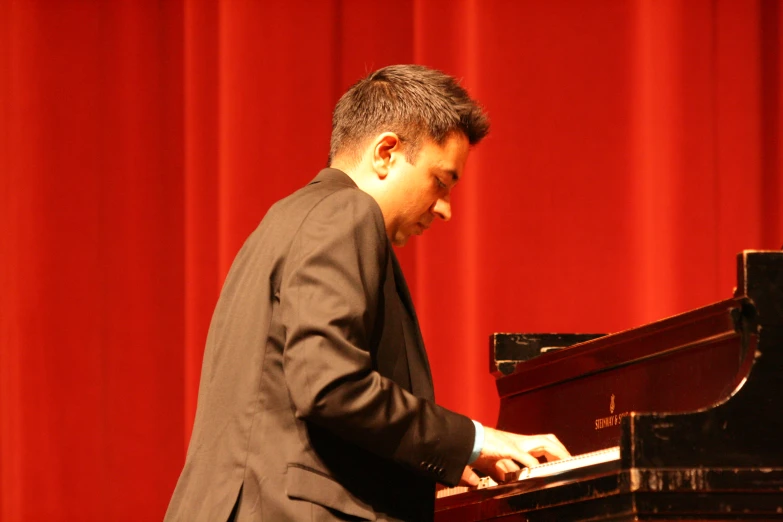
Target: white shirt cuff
(478, 443)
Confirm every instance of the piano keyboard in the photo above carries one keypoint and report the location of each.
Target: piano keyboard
(542, 470)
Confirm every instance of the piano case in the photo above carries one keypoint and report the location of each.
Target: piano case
(692, 402)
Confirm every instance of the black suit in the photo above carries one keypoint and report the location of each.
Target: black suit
(316, 396)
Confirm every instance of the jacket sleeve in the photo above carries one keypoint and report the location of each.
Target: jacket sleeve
(329, 297)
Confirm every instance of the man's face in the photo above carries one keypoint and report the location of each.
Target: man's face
(416, 194)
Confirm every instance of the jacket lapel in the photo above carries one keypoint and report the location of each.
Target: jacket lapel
(421, 376)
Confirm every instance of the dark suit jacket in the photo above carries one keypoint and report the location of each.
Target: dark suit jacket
(316, 400)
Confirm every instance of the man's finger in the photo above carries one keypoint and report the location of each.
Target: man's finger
(545, 446)
(558, 449)
(506, 465)
(469, 477)
(549, 452)
(526, 459)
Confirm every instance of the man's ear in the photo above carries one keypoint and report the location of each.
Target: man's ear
(386, 148)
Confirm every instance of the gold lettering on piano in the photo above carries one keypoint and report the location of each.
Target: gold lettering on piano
(611, 404)
(611, 420)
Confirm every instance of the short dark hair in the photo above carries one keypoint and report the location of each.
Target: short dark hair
(413, 101)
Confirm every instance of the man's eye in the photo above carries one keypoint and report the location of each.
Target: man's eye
(441, 185)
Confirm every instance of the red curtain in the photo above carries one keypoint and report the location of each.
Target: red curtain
(635, 150)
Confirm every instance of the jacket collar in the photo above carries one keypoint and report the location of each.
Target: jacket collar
(334, 176)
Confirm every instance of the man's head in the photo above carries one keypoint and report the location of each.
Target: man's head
(403, 134)
(413, 101)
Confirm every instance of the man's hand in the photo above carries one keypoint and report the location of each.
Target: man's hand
(502, 451)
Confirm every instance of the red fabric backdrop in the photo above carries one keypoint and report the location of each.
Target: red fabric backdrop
(635, 150)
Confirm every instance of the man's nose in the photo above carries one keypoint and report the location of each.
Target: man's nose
(442, 209)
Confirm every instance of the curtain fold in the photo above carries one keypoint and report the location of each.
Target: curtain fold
(635, 149)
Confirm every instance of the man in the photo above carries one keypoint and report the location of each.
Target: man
(316, 399)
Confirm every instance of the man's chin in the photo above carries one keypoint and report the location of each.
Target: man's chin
(400, 240)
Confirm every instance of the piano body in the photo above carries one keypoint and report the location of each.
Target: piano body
(689, 408)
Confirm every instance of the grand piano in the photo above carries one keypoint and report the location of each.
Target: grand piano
(681, 419)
